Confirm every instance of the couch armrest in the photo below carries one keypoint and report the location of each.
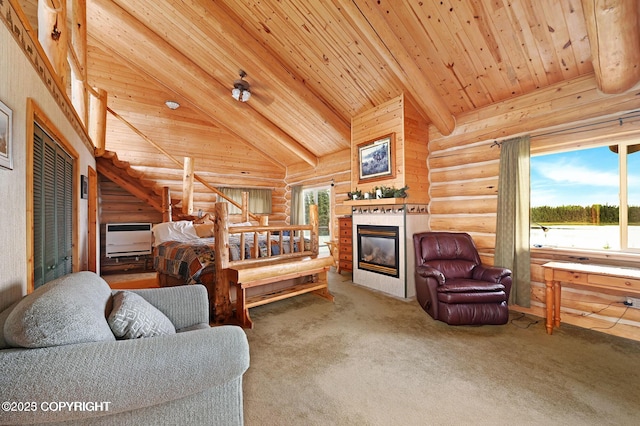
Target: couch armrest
(430, 272)
(128, 374)
(493, 274)
(184, 305)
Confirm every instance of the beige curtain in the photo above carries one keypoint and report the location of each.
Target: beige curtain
(259, 199)
(297, 206)
(512, 228)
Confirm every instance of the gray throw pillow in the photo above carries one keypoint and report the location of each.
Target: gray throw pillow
(3, 318)
(133, 317)
(70, 309)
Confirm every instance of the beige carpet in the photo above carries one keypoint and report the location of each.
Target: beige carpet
(370, 359)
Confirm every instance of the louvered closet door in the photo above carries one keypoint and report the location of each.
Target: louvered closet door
(53, 209)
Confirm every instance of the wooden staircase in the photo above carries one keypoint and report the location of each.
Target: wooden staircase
(121, 173)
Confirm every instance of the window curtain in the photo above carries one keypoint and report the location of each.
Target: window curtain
(259, 199)
(512, 227)
(297, 206)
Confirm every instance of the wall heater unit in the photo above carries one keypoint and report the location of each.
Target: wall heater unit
(128, 239)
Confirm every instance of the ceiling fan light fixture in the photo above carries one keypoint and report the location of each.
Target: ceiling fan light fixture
(241, 89)
(173, 105)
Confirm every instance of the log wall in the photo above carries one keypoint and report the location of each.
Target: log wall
(400, 118)
(464, 169)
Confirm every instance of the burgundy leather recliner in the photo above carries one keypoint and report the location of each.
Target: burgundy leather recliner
(453, 286)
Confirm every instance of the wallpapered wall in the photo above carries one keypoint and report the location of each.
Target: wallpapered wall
(18, 82)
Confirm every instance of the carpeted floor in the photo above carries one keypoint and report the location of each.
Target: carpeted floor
(370, 359)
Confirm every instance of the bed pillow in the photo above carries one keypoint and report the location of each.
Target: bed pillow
(182, 231)
(133, 317)
(204, 230)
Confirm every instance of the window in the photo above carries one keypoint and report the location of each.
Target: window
(52, 209)
(321, 196)
(259, 199)
(587, 198)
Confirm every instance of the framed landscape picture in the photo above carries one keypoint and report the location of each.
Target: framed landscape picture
(375, 159)
(6, 155)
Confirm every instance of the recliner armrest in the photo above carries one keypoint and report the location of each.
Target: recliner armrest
(430, 272)
(493, 274)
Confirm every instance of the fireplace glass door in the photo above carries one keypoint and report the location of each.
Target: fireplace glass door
(378, 249)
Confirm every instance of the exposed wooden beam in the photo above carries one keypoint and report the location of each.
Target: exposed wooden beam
(368, 17)
(614, 36)
(162, 62)
(259, 62)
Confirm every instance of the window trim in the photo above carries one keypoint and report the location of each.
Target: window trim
(620, 128)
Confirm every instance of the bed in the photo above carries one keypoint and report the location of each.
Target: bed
(185, 253)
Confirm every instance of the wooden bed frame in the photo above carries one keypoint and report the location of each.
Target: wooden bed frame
(259, 271)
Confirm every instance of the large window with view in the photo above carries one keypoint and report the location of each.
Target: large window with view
(587, 198)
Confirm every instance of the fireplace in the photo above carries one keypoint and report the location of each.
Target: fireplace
(383, 258)
(378, 249)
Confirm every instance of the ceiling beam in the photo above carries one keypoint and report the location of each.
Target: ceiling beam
(163, 63)
(366, 15)
(614, 36)
(262, 65)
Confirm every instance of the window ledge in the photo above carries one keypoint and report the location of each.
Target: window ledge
(614, 258)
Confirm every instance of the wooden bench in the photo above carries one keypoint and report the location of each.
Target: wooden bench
(250, 276)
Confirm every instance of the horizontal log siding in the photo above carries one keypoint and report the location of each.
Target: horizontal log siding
(416, 151)
(464, 168)
(374, 124)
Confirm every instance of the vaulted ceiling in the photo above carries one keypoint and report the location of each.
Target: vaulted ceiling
(314, 64)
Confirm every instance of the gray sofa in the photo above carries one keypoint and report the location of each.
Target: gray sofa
(70, 370)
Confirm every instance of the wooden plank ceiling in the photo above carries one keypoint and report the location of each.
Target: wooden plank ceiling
(312, 65)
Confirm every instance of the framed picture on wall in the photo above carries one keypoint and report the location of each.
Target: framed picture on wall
(84, 187)
(6, 143)
(375, 159)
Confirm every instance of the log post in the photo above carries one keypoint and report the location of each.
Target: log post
(221, 299)
(98, 121)
(166, 204)
(187, 186)
(78, 56)
(315, 225)
(52, 35)
(245, 207)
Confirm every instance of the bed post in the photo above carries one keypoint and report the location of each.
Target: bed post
(166, 204)
(315, 225)
(245, 207)
(221, 300)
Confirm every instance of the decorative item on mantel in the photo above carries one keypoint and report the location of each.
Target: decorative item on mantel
(355, 195)
(379, 192)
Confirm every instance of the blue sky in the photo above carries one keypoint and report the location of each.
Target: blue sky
(582, 178)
